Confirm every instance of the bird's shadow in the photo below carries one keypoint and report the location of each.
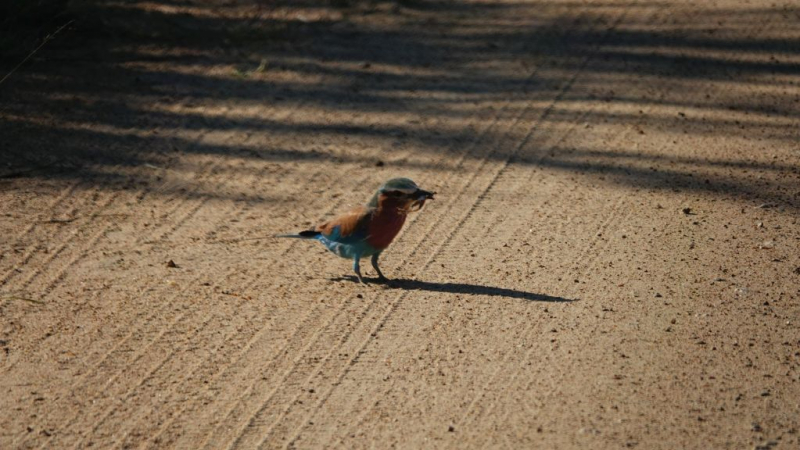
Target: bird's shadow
(458, 288)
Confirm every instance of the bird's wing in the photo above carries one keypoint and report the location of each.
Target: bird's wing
(350, 227)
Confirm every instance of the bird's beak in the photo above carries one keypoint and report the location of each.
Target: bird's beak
(424, 195)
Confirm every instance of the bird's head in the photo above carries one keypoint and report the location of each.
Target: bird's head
(400, 193)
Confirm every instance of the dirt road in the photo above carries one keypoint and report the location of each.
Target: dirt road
(611, 261)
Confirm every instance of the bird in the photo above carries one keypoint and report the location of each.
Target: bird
(367, 231)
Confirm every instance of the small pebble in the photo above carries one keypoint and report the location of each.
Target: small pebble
(767, 245)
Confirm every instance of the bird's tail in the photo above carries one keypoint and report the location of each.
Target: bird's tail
(308, 234)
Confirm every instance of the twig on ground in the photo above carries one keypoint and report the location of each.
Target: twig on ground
(24, 299)
(47, 39)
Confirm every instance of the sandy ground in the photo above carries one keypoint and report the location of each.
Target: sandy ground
(611, 261)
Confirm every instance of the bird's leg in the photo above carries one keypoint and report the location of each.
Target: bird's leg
(378, 269)
(357, 269)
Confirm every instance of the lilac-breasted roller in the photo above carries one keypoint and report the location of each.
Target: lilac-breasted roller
(368, 230)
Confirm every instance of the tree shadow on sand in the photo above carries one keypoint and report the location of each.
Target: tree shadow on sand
(459, 288)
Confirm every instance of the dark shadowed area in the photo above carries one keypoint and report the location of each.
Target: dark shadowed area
(130, 84)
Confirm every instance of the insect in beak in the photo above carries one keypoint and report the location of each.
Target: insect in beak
(419, 199)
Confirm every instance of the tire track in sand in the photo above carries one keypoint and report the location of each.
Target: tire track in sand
(65, 194)
(209, 442)
(587, 257)
(247, 346)
(141, 352)
(361, 183)
(115, 349)
(586, 262)
(517, 218)
(483, 171)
